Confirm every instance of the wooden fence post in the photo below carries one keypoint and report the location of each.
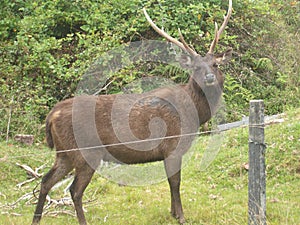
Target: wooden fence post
(257, 176)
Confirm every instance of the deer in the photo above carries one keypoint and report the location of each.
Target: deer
(135, 128)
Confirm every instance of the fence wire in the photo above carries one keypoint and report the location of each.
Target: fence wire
(215, 131)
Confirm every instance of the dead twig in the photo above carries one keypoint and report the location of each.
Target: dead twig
(2, 195)
(9, 119)
(33, 174)
(27, 196)
(30, 171)
(66, 201)
(56, 213)
(105, 87)
(68, 180)
(19, 185)
(12, 214)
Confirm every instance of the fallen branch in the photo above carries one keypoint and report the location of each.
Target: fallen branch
(15, 214)
(3, 195)
(27, 196)
(66, 201)
(19, 185)
(105, 87)
(30, 171)
(56, 213)
(12, 214)
(64, 181)
(41, 167)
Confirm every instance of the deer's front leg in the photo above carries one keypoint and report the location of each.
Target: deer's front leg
(173, 170)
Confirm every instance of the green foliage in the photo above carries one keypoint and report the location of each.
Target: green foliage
(46, 47)
(236, 97)
(267, 57)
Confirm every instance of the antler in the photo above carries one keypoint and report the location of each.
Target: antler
(184, 46)
(219, 32)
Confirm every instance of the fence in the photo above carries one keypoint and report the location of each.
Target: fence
(256, 175)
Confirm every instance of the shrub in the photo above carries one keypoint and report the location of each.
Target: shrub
(46, 47)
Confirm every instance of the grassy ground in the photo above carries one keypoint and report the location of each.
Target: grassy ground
(216, 195)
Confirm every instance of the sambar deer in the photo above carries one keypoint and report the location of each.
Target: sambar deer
(77, 127)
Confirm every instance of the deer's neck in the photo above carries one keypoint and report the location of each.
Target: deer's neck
(206, 101)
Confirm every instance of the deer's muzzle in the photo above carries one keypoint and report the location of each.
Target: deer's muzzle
(210, 79)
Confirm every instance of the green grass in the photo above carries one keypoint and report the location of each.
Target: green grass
(216, 195)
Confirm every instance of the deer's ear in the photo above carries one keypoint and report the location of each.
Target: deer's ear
(224, 57)
(185, 61)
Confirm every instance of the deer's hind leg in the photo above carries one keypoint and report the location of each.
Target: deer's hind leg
(60, 169)
(83, 176)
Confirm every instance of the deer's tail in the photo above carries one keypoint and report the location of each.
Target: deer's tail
(49, 137)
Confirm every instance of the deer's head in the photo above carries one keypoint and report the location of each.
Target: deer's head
(204, 69)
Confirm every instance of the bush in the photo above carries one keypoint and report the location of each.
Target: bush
(46, 47)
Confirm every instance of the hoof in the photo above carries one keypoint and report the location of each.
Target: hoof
(181, 221)
(36, 221)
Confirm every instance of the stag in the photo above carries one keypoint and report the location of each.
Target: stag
(78, 127)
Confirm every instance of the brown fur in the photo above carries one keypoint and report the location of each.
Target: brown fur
(89, 121)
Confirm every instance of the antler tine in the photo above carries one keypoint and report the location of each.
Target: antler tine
(215, 41)
(184, 46)
(220, 31)
(187, 47)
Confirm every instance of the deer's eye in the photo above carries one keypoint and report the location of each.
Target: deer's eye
(216, 65)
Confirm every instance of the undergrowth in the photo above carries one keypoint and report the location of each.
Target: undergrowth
(47, 46)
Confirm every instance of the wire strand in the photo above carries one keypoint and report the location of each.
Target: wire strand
(134, 142)
(117, 144)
